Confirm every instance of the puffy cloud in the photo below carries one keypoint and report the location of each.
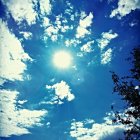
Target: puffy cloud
(21, 10)
(87, 47)
(52, 32)
(106, 56)
(27, 35)
(12, 55)
(45, 7)
(87, 21)
(62, 91)
(125, 7)
(97, 131)
(83, 24)
(14, 120)
(106, 38)
(46, 22)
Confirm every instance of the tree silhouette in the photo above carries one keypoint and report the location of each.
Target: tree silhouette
(129, 89)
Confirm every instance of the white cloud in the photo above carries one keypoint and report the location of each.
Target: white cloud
(27, 35)
(62, 91)
(125, 7)
(83, 24)
(45, 7)
(56, 29)
(81, 32)
(12, 55)
(52, 32)
(106, 38)
(87, 21)
(46, 22)
(14, 120)
(87, 47)
(21, 10)
(97, 131)
(106, 56)
(22, 101)
(72, 42)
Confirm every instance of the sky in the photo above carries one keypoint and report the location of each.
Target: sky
(55, 63)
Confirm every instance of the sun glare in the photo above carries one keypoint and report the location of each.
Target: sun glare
(62, 59)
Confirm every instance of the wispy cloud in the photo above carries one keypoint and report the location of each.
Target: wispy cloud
(12, 55)
(125, 7)
(14, 120)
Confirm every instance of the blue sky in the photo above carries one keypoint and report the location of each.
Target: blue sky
(66, 97)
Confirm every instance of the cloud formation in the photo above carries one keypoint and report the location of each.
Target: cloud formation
(25, 10)
(21, 10)
(12, 55)
(87, 48)
(27, 35)
(125, 7)
(45, 7)
(14, 120)
(97, 131)
(84, 23)
(62, 91)
(106, 56)
(106, 38)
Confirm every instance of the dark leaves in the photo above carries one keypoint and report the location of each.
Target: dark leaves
(126, 87)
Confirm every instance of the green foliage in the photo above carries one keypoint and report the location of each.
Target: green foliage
(129, 89)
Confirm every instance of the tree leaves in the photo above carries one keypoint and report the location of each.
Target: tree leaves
(126, 87)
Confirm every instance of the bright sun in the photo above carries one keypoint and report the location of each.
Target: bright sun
(62, 59)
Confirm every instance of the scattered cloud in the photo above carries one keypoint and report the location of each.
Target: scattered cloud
(27, 35)
(69, 8)
(14, 120)
(96, 131)
(62, 91)
(106, 38)
(22, 101)
(84, 23)
(106, 56)
(72, 42)
(56, 29)
(12, 55)
(52, 32)
(21, 10)
(87, 48)
(125, 7)
(133, 23)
